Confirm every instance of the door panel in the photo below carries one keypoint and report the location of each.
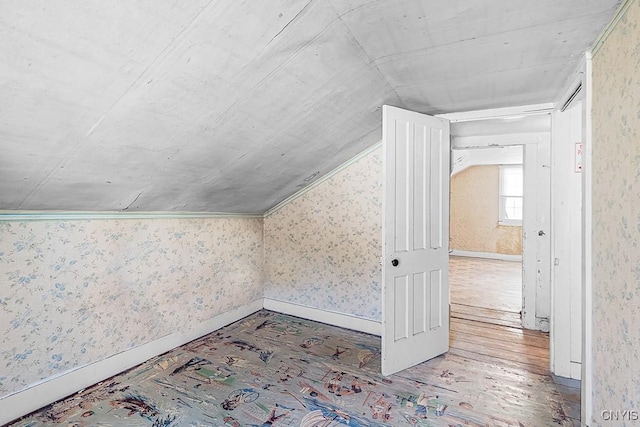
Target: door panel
(420, 299)
(416, 289)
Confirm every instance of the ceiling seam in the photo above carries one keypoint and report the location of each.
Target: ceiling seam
(371, 61)
(448, 46)
(290, 21)
(432, 82)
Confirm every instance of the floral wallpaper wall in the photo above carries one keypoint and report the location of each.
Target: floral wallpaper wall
(76, 292)
(323, 249)
(616, 220)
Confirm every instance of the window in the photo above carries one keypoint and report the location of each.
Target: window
(511, 191)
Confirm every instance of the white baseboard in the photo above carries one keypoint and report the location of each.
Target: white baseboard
(487, 255)
(336, 319)
(53, 389)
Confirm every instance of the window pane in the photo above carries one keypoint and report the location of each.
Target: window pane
(511, 193)
(512, 177)
(513, 208)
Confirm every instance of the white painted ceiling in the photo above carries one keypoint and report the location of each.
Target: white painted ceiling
(227, 106)
(462, 159)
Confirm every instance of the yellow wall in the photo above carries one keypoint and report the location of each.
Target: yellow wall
(474, 214)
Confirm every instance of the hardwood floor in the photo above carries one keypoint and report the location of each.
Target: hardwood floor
(486, 315)
(486, 283)
(486, 298)
(527, 350)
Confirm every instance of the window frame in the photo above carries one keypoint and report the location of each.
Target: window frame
(502, 198)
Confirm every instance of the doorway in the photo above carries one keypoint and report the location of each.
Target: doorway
(485, 243)
(528, 130)
(486, 290)
(532, 131)
(529, 136)
(499, 278)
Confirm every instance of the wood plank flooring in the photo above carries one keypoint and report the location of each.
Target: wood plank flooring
(527, 351)
(486, 283)
(486, 315)
(486, 298)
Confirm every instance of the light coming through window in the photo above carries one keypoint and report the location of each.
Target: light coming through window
(511, 191)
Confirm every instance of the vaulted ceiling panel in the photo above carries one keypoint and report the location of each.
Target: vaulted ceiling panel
(426, 55)
(501, 90)
(387, 28)
(230, 106)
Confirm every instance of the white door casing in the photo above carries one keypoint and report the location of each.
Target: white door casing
(566, 316)
(415, 297)
(536, 260)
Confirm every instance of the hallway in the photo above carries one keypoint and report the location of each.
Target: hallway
(486, 283)
(486, 298)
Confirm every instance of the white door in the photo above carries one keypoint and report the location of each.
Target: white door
(415, 270)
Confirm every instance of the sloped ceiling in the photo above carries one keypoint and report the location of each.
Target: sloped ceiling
(230, 106)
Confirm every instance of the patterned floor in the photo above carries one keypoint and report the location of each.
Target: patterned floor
(275, 370)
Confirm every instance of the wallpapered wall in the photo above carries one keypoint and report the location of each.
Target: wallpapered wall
(616, 219)
(323, 250)
(474, 214)
(76, 292)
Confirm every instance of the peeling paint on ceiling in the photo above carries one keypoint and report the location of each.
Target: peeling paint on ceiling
(228, 106)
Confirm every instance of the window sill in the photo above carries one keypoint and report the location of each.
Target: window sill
(510, 223)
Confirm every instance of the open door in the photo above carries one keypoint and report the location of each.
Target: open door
(415, 271)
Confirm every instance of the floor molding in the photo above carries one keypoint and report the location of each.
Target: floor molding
(53, 389)
(567, 382)
(487, 255)
(331, 318)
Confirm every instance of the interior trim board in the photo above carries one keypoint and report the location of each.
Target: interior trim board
(346, 321)
(24, 216)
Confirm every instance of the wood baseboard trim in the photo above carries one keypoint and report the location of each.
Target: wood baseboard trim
(487, 255)
(331, 318)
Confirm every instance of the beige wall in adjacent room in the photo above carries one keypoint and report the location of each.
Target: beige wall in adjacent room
(474, 214)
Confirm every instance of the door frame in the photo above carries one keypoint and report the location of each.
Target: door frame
(534, 314)
(581, 75)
